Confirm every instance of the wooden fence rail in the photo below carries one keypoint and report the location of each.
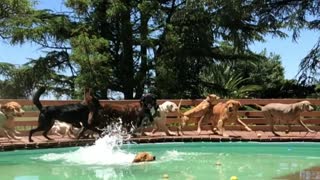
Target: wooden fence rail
(250, 116)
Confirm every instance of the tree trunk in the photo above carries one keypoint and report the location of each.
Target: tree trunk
(142, 74)
(126, 64)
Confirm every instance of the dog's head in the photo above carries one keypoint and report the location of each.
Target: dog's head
(232, 105)
(211, 98)
(12, 109)
(169, 106)
(305, 106)
(94, 106)
(90, 99)
(144, 157)
(148, 101)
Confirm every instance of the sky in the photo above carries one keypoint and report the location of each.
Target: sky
(291, 52)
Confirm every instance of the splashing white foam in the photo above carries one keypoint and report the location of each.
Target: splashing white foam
(105, 151)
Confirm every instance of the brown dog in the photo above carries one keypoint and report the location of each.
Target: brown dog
(200, 111)
(7, 116)
(285, 112)
(226, 111)
(143, 157)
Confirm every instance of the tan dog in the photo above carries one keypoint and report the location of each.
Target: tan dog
(143, 157)
(160, 121)
(285, 112)
(200, 111)
(8, 112)
(226, 111)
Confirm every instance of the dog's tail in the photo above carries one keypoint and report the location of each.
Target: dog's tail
(36, 97)
(179, 113)
(258, 106)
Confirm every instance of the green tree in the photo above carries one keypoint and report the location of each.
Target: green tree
(266, 72)
(11, 9)
(226, 82)
(15, 82)
(139, 45)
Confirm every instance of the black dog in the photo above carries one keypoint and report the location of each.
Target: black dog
(132, 116)
(148, 110)
(75, 114)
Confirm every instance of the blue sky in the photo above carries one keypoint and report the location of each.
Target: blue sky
(291, 52)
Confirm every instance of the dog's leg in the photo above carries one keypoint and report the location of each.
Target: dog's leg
(184, 119)
(220, 128)
(273, 128)
(162, 125)
(268, 116)
(13, 136)
(199, 125)
(33, 131)
(142, 131)
(10, 133)
(243, 124)
(45, 134)
(5, 132)
(155, 129)
(68, 132)
(77, 132)
(81, 132)
(309, 130)
(43, 123)
(169, 133)
(56, 131)
(289, 128)
(179, 130)
(17, 132)
(94, 129)
(47, 129)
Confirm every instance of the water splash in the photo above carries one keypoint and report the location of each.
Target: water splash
(105, 151)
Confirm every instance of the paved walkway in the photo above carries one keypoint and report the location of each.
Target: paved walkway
(190, 136)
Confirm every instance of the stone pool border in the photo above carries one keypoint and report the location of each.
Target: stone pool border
(236, 136)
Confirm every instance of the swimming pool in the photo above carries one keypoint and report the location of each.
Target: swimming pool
(109, 159)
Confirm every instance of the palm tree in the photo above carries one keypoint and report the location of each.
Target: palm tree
(222, 80)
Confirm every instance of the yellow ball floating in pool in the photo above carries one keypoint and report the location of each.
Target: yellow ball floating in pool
(165, 176)
(234, 178)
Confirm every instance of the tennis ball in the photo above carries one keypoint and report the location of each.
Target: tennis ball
(234, 178)
(165, 176)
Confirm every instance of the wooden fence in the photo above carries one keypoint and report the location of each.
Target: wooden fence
(250, 116)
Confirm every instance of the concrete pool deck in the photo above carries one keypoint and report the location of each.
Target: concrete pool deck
(190, 136)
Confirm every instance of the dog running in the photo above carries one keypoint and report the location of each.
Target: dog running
(75, 114)
(146, 113)
(8, 112)
(289, 113)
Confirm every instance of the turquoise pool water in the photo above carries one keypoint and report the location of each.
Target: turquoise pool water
(246, 161)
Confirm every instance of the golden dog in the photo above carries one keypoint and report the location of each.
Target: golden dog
(7, 114)
(143, 157)
(285, 112)
(226, 111)
(200, 111)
